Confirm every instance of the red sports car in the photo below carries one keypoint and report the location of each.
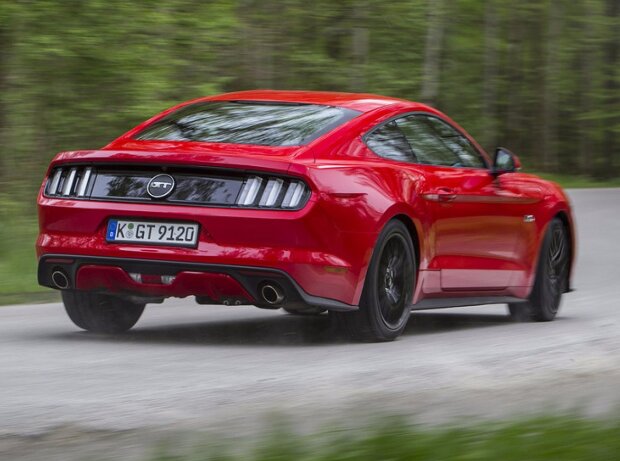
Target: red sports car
(362, 205)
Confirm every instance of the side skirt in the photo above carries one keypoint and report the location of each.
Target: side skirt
(439, 303)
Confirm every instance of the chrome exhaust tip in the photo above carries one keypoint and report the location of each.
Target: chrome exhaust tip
(272, 294)
(60, 279)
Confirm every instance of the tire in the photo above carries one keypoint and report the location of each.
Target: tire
(306, 311)
(101, 313)
(551, 278)
(388, 289)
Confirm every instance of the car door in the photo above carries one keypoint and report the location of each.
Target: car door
(477, 223)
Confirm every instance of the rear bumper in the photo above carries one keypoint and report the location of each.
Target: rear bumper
(211, 283)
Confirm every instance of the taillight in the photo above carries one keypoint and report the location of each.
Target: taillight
(272, 192)
(68, 182)
(192, 187)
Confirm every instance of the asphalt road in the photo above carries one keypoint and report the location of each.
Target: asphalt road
(228, 369)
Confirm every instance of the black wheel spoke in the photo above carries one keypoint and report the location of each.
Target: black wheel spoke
(552, 277)
(557, 268)
(394, 278)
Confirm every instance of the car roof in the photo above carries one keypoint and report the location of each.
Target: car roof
(357, 101)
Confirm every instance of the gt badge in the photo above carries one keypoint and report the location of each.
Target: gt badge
(160, 186)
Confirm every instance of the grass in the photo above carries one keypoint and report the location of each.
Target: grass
(560, 438)
(18, 231)
(18, 262)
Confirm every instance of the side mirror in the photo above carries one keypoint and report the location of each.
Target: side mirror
(505, 162)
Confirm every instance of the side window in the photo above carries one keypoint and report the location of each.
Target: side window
(428, 146)
(389, 141)
(458, 143)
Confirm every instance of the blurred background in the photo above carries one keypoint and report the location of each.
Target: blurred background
(540, 77)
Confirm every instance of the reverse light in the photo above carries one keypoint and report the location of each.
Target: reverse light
(152, 279)
(168, 279)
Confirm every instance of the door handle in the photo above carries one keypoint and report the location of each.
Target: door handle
(442, 194)
(445, 194)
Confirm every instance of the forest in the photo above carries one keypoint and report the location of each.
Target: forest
(540, 77)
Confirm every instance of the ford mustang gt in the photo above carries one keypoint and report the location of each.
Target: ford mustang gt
(365, 206)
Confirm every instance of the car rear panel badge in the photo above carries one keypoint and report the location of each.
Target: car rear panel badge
(160, 186)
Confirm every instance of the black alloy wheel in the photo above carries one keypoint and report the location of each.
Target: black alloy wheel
(551, 277)
(385, 304)
(394, 281)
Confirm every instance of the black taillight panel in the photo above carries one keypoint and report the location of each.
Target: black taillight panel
(197, 187)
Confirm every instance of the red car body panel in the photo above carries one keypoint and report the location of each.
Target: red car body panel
(468, 225)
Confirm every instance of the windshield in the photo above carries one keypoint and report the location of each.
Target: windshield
(248, 122)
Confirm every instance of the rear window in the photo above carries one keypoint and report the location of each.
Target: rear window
(248, 122)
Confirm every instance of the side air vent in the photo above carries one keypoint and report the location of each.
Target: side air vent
(69, 182)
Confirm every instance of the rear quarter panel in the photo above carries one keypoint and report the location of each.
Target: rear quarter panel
(359, 194)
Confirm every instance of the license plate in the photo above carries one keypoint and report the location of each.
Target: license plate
(154, 233)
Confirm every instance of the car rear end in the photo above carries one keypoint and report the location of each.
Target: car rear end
(224, 235)
(207, 199)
